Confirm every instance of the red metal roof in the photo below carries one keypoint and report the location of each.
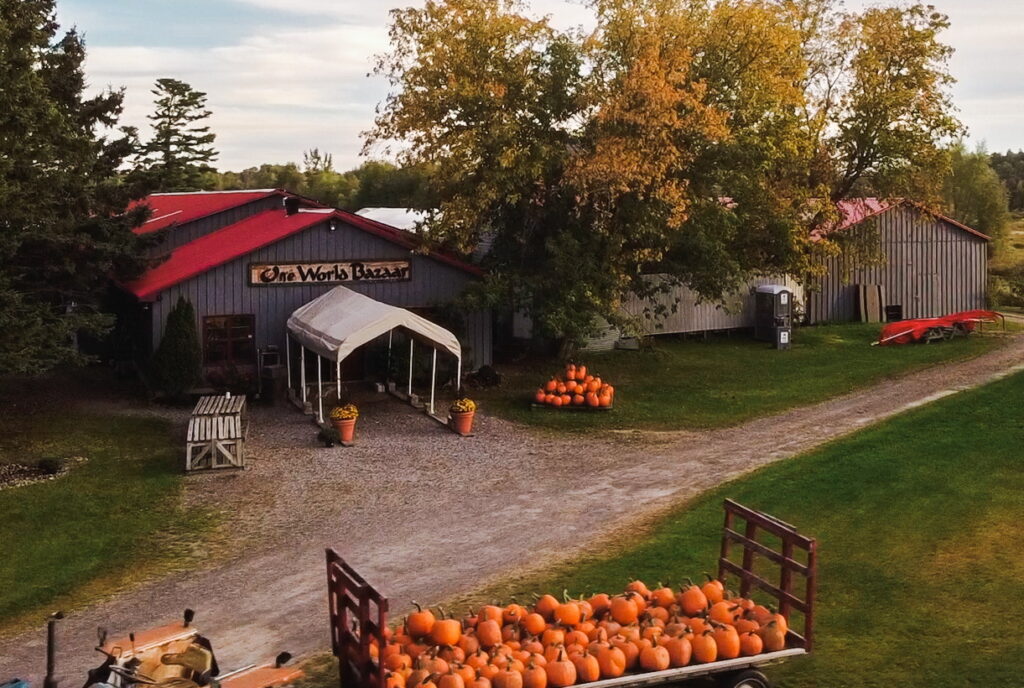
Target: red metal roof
(853, 211)
(253, 233)
(178, 208)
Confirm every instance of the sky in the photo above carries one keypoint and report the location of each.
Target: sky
(283, 76)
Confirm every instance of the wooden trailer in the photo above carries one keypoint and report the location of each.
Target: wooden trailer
(359, 612)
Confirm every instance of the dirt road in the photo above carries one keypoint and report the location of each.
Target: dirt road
(427, 515)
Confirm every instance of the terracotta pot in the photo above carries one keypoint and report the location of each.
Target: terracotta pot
(462, 422)
(346, 428)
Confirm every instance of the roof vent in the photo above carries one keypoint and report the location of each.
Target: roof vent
(291, 205)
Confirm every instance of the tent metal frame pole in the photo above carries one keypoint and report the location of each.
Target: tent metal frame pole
(288, 358)
(387, 369)
(338, 375)
(320, 388)
(302, 373)
(412, 343)
(458, 375)
(433, 380)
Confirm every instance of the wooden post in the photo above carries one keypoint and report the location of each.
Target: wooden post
(320, 388)
(302, 374)
(433, 380)
(411, 343)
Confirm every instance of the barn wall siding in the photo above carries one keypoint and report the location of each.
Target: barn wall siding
(931, 268)
(226, 290)
(694, 315)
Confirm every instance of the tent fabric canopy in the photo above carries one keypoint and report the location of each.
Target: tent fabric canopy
(336, 323)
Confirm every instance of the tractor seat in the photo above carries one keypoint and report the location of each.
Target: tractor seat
(195, 658)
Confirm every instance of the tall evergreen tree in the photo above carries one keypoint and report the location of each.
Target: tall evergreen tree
(64, 231)
(177, 362)
(181, 149)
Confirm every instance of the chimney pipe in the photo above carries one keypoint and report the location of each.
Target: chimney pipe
(291, 205)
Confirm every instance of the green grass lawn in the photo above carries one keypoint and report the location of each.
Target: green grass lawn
(921, 577)
(110, 521)
(725, 380)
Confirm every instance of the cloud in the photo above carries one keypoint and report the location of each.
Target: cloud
(284, 87)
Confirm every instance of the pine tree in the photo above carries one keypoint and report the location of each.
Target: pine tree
(63, 228)
(178, 155)
(177, 362)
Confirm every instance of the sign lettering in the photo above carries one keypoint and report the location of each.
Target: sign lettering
(329, 273)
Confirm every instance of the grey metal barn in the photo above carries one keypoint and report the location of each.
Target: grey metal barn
(247, 261)
(931, 265)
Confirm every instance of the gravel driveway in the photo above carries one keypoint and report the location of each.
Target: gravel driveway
(427, 515)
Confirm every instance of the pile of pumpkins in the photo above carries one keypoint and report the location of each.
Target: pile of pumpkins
(575, 388)
(563, 643)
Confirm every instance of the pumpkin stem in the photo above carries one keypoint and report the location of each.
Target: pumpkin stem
(708, 576)
(417, 605)
(689, 583)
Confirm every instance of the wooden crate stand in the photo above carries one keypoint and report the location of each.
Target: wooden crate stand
(216, 434)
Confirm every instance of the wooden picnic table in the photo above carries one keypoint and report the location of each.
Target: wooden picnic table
(216, 433)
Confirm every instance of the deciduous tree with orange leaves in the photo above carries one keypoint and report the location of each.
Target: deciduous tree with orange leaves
(696, 140)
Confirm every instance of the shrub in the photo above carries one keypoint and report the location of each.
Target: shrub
(177, 362)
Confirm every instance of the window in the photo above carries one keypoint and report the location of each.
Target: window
(229, 339)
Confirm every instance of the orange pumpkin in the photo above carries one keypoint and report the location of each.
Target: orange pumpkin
(534, 676)
(566, 400)
(693, 600)
(395, 681)
(724, 612)
(587, 667)
(714, 590)
(592, 399)
(561, 672)
(629, 649)
(577, 400)
(624, 609)
(397, 662)
(663, 597)
(508, 678)
(446, 632)
(679, 651)
(451, 680)
(481, 682)
(420, 622)
(704, 648)
(728, 642)
(581, 372)
(452, 654)
(513, 613)
(488, 632)
(750, 644)
(654, 658)
(553, 636)
(551, 385)
(469, 643)
(556, 400)
(568, 614)
(611, 661)
(781, 622)
(604, 400)
(545, 606)
(540, 396)
(467, 673)
(534, 623)
(773, 637)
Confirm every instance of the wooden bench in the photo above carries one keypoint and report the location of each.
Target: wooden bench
(216, 433)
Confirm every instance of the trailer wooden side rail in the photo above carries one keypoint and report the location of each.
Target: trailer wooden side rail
(358, 612)
(358, 619)
(756, 525)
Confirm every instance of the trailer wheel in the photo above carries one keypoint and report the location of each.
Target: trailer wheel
(751, 678)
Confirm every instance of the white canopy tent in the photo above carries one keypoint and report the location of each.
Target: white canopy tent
(333, 325)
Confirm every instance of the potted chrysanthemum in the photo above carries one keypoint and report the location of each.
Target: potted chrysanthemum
(461, 414)
(343, 418)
